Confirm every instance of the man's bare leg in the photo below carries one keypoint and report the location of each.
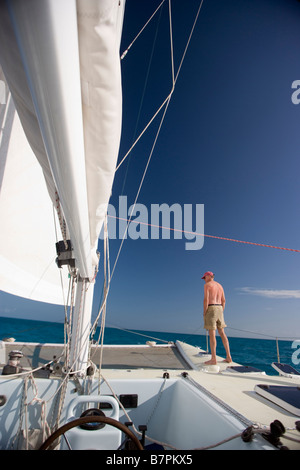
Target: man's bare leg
(225, 344)
(213, 347)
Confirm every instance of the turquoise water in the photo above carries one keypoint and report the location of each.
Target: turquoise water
(259, 353)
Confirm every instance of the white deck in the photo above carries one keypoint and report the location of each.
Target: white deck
(234, 389)
(136, 365)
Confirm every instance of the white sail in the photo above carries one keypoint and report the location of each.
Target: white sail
(61, 63)
(27, 235)
(100, 27)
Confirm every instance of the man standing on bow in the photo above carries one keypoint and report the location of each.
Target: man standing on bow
(213, 307)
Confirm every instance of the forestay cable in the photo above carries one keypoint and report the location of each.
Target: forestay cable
(166, 102)
(145, 25)
(167, 99)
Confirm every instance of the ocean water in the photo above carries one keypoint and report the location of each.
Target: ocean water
(254, 352)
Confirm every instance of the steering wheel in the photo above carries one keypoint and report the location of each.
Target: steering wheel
(91, 419)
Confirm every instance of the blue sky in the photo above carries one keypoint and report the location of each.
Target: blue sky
(230, 141)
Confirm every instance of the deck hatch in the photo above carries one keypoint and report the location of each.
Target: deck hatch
(244, 369)
(287, 397)
(285, 369)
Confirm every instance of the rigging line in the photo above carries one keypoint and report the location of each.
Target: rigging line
(203, 234)
(65, 303)
(101, 336)
(143, 94)
(146, 24)
(106, 285)
(61, 219)
(141, 334)
(167, 101)
(264, 334)
(69, 323)
(199, 334)
(189, 39)
(41, 277)
(171, 43)
(140, 187)
(70, 298)
(172, 90)
(7, 107)
(144, 130)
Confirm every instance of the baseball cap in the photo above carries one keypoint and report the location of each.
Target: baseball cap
(208, 273)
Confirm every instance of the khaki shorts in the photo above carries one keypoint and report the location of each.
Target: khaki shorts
(214, 318)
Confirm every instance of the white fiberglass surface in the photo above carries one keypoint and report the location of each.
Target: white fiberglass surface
(174, 411)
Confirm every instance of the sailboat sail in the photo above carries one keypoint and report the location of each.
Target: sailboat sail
(27, 235)
(61, 63)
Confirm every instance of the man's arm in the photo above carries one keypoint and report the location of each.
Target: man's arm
(223, 301)
(205, 301)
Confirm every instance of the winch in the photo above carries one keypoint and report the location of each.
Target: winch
(13, 365)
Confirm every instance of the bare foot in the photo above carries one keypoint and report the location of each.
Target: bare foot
(227, 360)
(211, 363)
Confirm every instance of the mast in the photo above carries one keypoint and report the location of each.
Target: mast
(81, 326)
(77, 362)
(62, 67)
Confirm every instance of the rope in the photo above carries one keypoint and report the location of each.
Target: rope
(141, 134)
(174, 80)
(263, 334)
(166, 102)
(68, 324)
(171, 44)
(203, 234)
(106, 259)
(145, 25)
(139, 189)
(61, 219)
(142, 98)
(9, 98)
(45, 426)
(140, 334)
